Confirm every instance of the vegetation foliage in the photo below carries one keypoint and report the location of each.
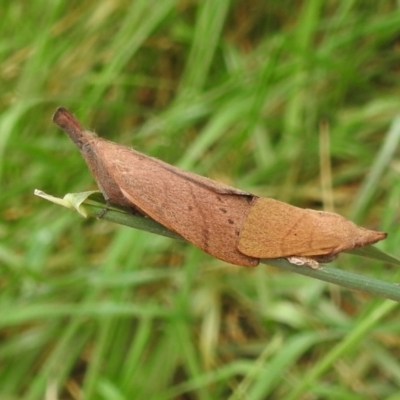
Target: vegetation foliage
(293, 100)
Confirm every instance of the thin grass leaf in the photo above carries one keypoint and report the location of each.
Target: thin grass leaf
(328, 274)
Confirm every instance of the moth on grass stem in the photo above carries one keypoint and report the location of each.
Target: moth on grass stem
(230, 224)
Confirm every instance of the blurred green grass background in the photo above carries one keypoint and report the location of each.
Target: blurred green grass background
(246, 92)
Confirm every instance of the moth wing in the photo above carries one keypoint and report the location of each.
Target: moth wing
(275, 229)
(184, 203)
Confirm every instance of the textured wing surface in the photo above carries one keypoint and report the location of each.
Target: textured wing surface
(205, 213)
(275, 229)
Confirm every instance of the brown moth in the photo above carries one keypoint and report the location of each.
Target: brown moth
(230, 224)
(275, 229)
